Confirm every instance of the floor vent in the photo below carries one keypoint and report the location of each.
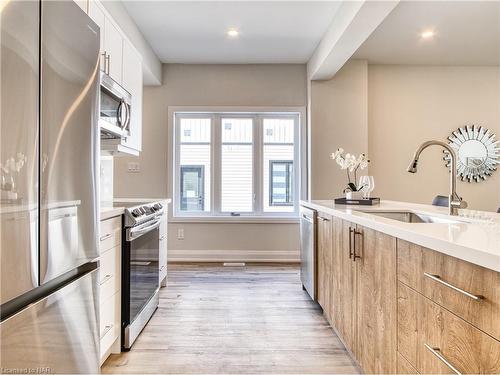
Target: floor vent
(234, 264)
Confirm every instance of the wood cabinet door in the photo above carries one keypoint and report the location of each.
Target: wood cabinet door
(376, 349)
(324, 262)
(113, 45)
(132, 82)
(344, 286)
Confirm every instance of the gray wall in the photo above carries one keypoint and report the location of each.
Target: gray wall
(212, 85)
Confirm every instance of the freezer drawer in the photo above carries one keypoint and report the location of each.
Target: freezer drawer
(58, 334)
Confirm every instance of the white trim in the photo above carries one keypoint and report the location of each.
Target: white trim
(219, 256)
(235, 219)
(300, 160)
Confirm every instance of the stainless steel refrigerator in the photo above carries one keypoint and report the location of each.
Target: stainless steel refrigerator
(49, 204)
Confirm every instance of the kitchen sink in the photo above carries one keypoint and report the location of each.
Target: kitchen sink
(412, 217)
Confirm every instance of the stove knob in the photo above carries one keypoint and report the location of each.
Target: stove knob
(136, 213)
(141, 210)
(157, 206)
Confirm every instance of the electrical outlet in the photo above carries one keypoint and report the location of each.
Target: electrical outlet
(133, 167)
(180, 233)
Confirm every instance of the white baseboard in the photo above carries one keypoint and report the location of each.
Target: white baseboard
(257, 256)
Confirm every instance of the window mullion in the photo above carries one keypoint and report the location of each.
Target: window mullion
(257, 166)
(216, 164)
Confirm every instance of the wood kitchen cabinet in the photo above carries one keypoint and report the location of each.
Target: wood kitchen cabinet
(376, 305)
(324, 261)
(343, 287)
(401, 308)
(362, 291)
(434, 340)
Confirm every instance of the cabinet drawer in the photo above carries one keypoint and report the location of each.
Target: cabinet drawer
(470, 291)
(111, 233)
(110, 273)
(110, 322)
(448, 344)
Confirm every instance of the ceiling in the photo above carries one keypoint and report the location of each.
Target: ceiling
(466, 33)
(270, 31)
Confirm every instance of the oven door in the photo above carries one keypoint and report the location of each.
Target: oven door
(143, 265)
(141, 275)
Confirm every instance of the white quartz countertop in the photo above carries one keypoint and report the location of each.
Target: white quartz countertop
(475, 239)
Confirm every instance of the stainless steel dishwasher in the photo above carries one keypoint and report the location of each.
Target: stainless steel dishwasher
(308, 250)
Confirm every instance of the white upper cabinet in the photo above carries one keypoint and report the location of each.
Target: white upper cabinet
(132, 82)
(111, 41)
(121, 61)
(113, 47)
(97, 15)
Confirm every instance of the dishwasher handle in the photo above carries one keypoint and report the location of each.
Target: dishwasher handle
(307, 218)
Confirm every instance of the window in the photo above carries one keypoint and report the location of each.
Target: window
(281, 186)
(194, 164)
(236, 164)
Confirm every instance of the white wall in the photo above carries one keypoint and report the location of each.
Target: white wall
(212, 85)
(412, 104)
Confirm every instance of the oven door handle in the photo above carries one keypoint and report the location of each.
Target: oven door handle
(134, 233)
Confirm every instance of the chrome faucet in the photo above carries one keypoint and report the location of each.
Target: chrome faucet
(454, 201)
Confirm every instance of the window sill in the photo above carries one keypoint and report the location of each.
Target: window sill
(236, 219)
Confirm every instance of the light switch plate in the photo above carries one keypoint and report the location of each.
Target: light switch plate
(133, 167)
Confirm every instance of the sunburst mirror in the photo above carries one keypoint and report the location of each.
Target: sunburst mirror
(478, 152)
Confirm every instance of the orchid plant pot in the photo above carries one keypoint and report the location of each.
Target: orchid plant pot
(351, 164)
(353, 195)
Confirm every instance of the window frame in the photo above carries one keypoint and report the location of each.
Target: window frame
(216, 116)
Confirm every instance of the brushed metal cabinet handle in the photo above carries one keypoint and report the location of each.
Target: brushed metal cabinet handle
(354, 255)
(106, 278)
(104, 59)
(350, 242)
(437, 353)
(323, 218)
(106, 330)
(107, 63)
(105, 237)
(438, 279)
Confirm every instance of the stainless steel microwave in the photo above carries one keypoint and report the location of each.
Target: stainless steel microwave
(114, 115)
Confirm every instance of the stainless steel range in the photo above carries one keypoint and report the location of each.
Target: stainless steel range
(140, 271)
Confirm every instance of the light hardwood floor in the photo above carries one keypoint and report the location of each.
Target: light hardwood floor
(219, 320)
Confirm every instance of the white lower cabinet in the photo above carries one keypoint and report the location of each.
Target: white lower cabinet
(110, 287)
(162, 262)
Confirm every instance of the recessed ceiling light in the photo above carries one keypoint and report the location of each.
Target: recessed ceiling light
(427, 34)
(233, 33)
